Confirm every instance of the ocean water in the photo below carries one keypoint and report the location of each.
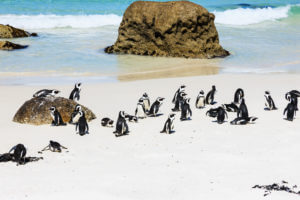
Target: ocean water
(262, 36)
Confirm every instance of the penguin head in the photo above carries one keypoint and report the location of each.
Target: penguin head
(242, 100)
(201, 92)
(145, 95)
(183, 94)
(267, 92)
(78, 85)
(140, 102)
(182, 88)
(78, 108)
(160, 99)
(122, 114)
(214, 87)
(187, 100)
(55, 92)
(52, 108)
(288, 96)
(172, 116)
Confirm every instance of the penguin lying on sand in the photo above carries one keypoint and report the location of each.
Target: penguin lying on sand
(46, 93)
(54, 147)
(107, 122)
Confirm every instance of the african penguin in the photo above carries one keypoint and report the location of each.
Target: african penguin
(211, 96)
(131, 118)
(186, 111)
(19, 153)
(230, 107)
(290, 111)
(200, 101)
(140, 111)
(169, 124)
(145, 100)
(270, 105)
(46, 93)
(56, 117)
(121, 125)
(75, 111)
(238, 95)
(221, 115)
(292, 96)
(81, 125)
(54, 147)
(75, 94)
(178, 97)
(213, 112)
(155, 107)
(107, 122)
(243, 111)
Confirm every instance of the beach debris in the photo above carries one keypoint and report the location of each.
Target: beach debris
(278, 187)
(6, 45)
(175, 28)
(7, 31)
(36, 110)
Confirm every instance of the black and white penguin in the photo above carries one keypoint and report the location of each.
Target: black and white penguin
(243, 120)
(221, 115)
(75, 94)
(54, 147)
(178, 97)
(232, 107)
(270, 105)
(81, 125)
(186, 112)
(131, 118)
(145, 100)
(19, 153)
(140, 111)
(56, 117)
(290, 111)
(238, 95)
(46, 93)
(121, 125)
(292, 96)
(155, 107)
(243, 111)
(200, 101)
(213, 112)
(75, 111)
(169, 124)
(107, 122)
(210, 97)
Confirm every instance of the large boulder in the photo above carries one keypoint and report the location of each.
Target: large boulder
(36, 110)
(7, 31)
(175, 28)
(6, 45)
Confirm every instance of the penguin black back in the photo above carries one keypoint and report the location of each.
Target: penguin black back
(243, 111)
(238, 95)
(210, 97)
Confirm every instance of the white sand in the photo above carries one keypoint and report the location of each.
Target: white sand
(201, 160)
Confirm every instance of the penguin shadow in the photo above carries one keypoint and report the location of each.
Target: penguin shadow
(171, 132)
(216, 121)
(213, 103)
(188, 119)
(157, 115)
(124, 134)
(268, 109)
(290, 120)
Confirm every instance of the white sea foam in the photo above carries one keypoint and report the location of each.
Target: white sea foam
(246, 16)
(60, 21)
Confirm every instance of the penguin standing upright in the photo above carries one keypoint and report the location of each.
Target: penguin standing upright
(77, 108)
(210, 97)
(270, 105)
(178, 97)
(200, 101)
(56, 117)
(238, 95)
(292, 96)
(75, 94)
(243, 111)
(155, 107)
(169, 124)
(121, 125)
(290, 111)
(140, 111)
(146, 102)
(221, 115)
(81, 125)
(19, 153)
(186, 111)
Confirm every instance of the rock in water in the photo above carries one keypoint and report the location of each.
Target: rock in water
(7, 31)
(36, 110)
(176, 28)
(6, 45)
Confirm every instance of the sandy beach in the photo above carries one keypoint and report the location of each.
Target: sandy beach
(201, 160)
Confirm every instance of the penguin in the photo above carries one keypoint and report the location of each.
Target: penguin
(140, 111)
(54, 147)
(186, 111)
(81, 125)
(19, 153)
(46, 93)
(243, 120)
(121, 125)
(75, 94)
(178, 98)
(211, 96)
(213, 112)
(270, 105)
(238, 95)
(200, 101)
(290, 111)
(243, 111)
(131, 118)
(107, 122)
(145, 101)
(56, 117)
(155, 107)
(169, 124)
(292, 96)
(230, 107)
(75, 111)
(221, 115)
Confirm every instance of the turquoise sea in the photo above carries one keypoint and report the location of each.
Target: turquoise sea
(262, 36)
